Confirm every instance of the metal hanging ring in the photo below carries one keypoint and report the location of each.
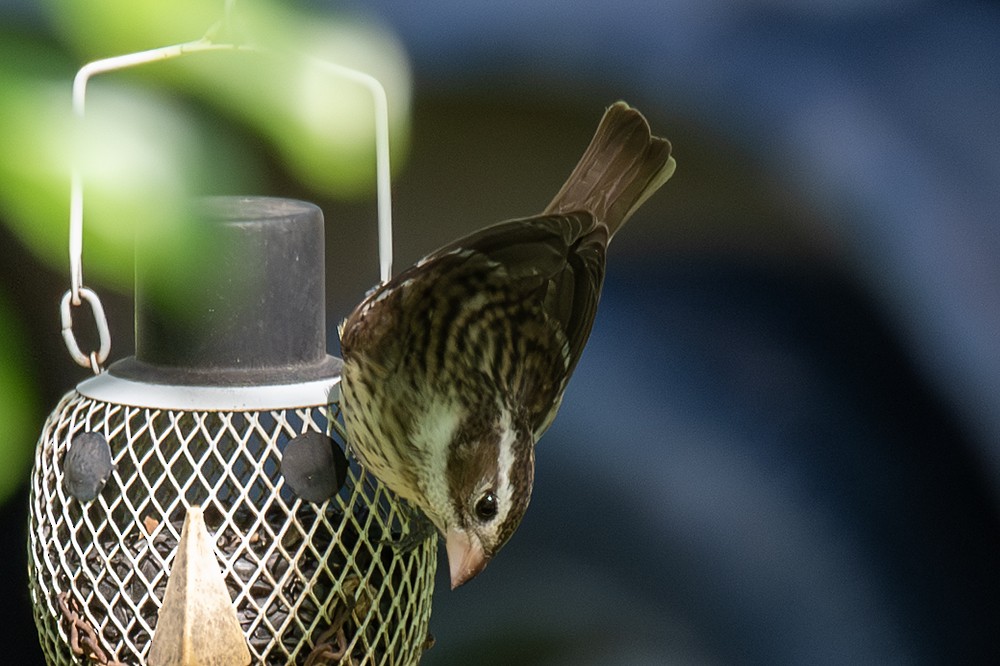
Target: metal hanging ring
(95, 359)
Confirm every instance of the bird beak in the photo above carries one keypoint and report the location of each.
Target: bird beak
(465, 556)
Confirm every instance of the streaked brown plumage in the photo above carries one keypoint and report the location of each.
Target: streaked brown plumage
(454, 368)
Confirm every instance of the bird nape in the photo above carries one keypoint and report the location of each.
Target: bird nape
(455, 367)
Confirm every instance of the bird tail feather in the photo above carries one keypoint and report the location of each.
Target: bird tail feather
(623, 165)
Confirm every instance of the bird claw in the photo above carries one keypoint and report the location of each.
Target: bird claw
(417, 528)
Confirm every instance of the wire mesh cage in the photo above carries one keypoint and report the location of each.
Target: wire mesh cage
(315, 583)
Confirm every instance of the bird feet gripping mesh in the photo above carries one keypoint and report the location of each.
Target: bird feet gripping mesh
(420, 528)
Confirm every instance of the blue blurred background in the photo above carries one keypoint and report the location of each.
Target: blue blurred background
(782, 444)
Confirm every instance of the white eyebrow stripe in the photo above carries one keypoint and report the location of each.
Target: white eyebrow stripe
(505, 461)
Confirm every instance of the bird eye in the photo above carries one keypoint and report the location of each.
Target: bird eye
(486, 507)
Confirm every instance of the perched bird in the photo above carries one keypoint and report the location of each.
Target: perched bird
(455, 367)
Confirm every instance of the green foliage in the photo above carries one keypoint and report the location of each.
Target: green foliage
(19, 413)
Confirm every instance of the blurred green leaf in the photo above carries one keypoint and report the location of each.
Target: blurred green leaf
(144, 152)
(140, 160)
(19, 413)
(321, 125)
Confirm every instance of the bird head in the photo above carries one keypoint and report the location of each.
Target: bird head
(489, 473)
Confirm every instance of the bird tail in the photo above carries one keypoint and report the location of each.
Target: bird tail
(623, 165)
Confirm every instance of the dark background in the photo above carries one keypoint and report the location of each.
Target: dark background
(782, 443)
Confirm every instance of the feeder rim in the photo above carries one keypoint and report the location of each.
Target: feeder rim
(107, 387)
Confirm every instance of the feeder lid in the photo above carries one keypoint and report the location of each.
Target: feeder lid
(255, 312)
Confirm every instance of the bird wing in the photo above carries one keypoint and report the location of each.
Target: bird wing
(558, 259)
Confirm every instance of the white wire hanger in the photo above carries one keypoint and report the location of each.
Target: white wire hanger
(78, 293)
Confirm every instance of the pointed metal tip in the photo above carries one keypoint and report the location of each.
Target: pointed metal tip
(197, 624)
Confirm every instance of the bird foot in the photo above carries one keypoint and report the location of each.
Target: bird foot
(417, 528)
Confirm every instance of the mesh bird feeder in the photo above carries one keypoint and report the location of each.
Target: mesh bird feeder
(201, 484)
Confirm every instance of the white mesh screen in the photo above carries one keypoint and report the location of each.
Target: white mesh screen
(324, 580)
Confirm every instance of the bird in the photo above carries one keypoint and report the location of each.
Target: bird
(454, 368)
